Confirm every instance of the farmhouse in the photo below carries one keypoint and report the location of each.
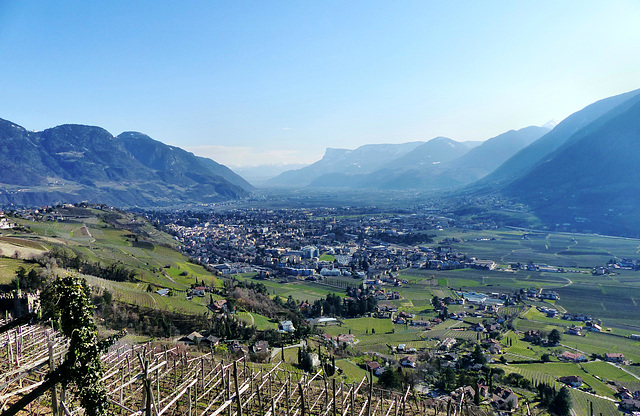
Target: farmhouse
(408, 362)
(614, 357)
(575, 357)
(287, 326)
(219, 306)
(191, 339)
(573, 381)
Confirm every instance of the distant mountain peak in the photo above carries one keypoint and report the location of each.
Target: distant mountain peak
(550, 124)
(80, 162)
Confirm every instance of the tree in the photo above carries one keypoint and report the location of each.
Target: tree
(554, 336)
(67, 300)
(107, 297)
(561, 405)
(477, 356)
(304, 360)
(390, 379)
(28, 281)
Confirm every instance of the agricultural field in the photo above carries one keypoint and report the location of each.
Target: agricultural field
(601, 343)
(259, 321)
(149, 254)
(607, 371)
(581, 400)
(8, 269)
(351, 372)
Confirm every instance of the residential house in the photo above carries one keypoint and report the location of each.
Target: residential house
(574, 330)
(492, 345)
(238, 348)
(478, 327)
(261, 347)
(532, 336)
(447, 343)
(504, 399)
(614, 357)
(218, 306)
(210, 340)
(573, 381)
(375, 367)
(408, 362)
(629, 405)
(191, 339)
(575, 357)
(348, 338)
(287, 326)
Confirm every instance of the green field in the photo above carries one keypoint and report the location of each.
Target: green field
(327, 257)
(147, 251)
(580, 399)
(600, 343)
(352, 373)
(259, 321)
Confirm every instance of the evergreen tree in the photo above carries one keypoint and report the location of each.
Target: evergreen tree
(554, 336)
(561, 404)
(390, 379)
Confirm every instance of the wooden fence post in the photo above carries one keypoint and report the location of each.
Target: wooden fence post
(235, 380)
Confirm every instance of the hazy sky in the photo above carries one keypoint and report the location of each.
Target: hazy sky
(250, 83)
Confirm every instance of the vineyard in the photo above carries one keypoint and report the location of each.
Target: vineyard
(146, 380)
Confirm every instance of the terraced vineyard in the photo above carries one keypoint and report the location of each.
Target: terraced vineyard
(159, 380)
(581, 400)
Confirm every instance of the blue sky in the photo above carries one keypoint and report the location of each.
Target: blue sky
(249, 83)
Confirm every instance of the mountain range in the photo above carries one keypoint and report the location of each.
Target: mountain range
(72, 163)
(440, 163)
(583, 175)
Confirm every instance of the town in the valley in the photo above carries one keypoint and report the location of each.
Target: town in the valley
(418, 298)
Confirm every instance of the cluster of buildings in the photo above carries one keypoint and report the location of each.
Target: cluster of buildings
(5, 224)
(616, 264)
(314, 244)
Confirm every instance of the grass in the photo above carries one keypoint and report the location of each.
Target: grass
(352, 373)
(568, 369)
(362, 326)
(8, 268)
(259, 321)
(600, 343)
(609, 372)
(581, 400)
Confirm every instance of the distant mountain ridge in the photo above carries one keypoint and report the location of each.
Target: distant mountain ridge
(74, 162)
(527, 157)
(364, 159)
(438, 164)
(590, 179)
